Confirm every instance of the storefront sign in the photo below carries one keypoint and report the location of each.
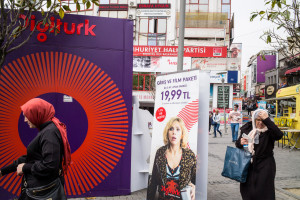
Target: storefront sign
(88, 79)
(216, 76)
(153, 12)
(220, 102)
(270, 91)
(215, 63)
(144, 96)
(113, 7)
(154, 6)
(189, 51)
(236, 88)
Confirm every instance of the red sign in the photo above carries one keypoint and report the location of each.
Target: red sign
(113, 7)
(245, 83)
(158, 6)
(160, 114)
(189, 51)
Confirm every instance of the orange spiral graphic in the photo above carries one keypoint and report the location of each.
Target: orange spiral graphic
(44, 72)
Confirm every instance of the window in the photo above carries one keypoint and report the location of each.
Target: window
(271, 79)
(73, 7)
(152, 31)
(144, 81)
(275, 80)
(226, 7)
(197, 6)
(152, 1)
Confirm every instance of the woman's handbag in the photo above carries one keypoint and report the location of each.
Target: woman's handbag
(236, 164)
(53, 191)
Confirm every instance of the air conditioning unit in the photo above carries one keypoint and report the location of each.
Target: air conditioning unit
(131, 16)
(132, 3)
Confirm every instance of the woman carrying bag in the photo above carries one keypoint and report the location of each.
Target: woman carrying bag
(261, 135)
(48, 154)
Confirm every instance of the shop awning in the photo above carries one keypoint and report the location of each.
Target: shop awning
(281, 98)
(296, 69)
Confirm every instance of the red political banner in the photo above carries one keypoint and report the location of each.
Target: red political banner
(189, 51)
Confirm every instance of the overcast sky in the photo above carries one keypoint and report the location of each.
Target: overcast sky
(246, 32)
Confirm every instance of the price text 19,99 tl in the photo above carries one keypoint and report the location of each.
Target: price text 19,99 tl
(174, 94)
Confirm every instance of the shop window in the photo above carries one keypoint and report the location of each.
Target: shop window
(143, 81)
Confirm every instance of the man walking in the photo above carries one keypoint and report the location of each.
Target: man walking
(235, 117)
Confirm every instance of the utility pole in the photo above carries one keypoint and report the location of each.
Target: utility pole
(181, 36)
(224, 105)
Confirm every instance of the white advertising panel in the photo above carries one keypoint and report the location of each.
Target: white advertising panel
(184, 95)
(153, 12)
(216, 76)
(177, 95)
(144, 96)
(211, 64)
(158, 64)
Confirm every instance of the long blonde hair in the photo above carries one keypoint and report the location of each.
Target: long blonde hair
(184, 138)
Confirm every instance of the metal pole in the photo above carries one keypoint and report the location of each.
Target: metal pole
(224, 36)
(224, 106)
(181, 36)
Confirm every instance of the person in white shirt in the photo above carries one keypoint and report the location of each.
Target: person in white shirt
(235, 117)
(216, 123)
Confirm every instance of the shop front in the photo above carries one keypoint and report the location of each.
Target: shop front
(288, 115)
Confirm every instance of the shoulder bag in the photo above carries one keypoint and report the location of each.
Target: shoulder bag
(236, 164)
(51, 191)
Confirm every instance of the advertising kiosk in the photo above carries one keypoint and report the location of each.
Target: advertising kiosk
(288, 115)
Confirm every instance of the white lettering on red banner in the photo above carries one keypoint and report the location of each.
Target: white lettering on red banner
(189, 51)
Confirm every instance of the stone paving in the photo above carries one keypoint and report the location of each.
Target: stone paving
(287, 176)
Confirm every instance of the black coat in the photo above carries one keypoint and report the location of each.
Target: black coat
(43, 159)
(261, 175)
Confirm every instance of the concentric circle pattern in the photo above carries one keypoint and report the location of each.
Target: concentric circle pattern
(39, 73)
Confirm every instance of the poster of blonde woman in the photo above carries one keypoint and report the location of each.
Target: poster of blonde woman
(174, 150)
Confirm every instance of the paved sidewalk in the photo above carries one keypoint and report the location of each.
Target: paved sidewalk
(287, 176)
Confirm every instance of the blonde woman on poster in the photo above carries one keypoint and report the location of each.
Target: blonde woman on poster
(174, 168)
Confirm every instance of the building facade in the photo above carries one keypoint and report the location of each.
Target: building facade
(259, 65)
(209, 28)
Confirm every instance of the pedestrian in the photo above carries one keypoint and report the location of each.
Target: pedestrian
(48, 154)
(261, 175)
(174, 165)
(235, 117)
(216, 123)
(249, 108)
(210, 121)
